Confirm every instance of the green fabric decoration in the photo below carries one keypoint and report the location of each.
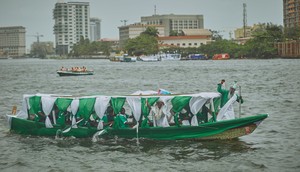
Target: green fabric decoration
(117, 104)
(146, 110)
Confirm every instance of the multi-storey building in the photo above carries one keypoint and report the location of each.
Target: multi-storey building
(72, 21)
(12, 41)
(190, 38)
(95, 29)
(291, 13)
(134, 30)
(291, 20)
(176, 23)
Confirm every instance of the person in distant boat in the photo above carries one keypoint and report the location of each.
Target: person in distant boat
(228, 98)
(63, 68)
(160, 119)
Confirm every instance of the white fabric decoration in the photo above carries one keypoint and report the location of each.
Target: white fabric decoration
(227, 111)
(23, 113)
(100, 107)
(196, 104)
(135, 106)
(74, 109)
(47, 105)
(194, 121)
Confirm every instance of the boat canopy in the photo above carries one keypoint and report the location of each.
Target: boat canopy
(85, 106)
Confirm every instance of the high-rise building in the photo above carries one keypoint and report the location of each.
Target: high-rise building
(173, 22)
(72, 21)
(291, 13)
(12, 41)
(95, 29)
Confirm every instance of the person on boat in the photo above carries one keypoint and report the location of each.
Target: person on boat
(202, 115)
(159, 117)
(109, 117)
(228, 98)
(184, 117)
(120, 120)
(63, 68)
(227, 94)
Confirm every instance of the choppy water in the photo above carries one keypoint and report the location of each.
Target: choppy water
(268, 86)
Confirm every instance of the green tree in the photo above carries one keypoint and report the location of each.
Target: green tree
(292, 33)
(262, 43)
(216, 35)
(143, 44)
(152, 31)
(173, 33)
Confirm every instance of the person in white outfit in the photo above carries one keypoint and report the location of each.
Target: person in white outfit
(160, 119)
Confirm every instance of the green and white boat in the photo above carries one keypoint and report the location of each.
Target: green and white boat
(83, 116)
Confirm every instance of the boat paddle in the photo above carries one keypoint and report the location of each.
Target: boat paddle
(97, 134)
(240, 101)
(69, 128)
(137, 133)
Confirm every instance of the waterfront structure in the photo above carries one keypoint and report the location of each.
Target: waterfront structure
(42, 49)
(291, 20)
(95, 29)
(174, 22)
(239, 32)
(12, 41)
(190, 38)
(131, 31)
(72, 21)
(291, 13)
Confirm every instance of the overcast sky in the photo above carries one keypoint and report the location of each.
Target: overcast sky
(221, 15)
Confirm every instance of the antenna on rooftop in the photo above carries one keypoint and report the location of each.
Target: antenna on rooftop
(124, 21)
(154, 9)
(244, 18)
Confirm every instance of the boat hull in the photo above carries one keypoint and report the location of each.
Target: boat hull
(71, 73)
(228, 129)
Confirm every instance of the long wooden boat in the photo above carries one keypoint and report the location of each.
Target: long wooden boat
(74, 73)
(53, 106)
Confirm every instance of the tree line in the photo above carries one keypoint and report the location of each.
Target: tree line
(261, 44)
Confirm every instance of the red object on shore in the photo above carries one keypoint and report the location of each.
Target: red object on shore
(224, 56)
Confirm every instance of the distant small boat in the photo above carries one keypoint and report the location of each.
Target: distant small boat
(150, 58)
(74, 71)
(224, 56)
(123, 58)
(170, 57)
(195, 57)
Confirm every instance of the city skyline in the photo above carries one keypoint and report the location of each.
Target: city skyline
(224, 16)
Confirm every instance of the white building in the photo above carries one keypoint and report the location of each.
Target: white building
(72, 20)
(174, 22)
(191, 38)
(95, 29)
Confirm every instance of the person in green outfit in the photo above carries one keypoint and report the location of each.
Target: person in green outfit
(227, 94)
(121, 120)
(228, 98)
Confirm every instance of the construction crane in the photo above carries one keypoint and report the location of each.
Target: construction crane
(37, 37)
